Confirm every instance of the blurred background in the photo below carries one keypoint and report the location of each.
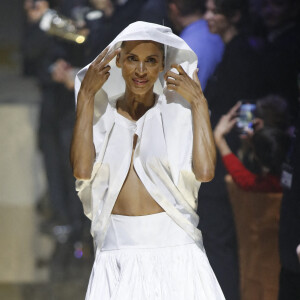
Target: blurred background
(249, 214)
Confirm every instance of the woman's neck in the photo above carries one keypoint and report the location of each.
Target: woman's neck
(136, 105)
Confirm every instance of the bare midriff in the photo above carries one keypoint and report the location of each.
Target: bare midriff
(134, 199)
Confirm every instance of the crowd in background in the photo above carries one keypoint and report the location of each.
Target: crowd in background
(247, 53)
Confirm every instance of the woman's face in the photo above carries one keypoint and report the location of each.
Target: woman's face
(217, 22)
(141, 63)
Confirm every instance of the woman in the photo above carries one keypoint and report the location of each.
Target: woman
(269, 145)
(235, 78)
(139, 165)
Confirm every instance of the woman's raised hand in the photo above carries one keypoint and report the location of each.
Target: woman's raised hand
(190, 89)
(226, 122)
(98, 72)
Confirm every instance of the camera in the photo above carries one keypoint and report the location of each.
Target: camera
(246, 116)
(60, 26)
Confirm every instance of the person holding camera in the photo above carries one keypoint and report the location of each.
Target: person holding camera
(269, 146)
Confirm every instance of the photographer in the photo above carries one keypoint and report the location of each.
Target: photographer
(269, 146)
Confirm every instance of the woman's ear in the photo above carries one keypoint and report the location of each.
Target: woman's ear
(118, 64)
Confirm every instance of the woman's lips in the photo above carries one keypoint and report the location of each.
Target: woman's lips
(140, 81)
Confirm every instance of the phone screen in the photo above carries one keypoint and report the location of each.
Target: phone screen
(245, 117)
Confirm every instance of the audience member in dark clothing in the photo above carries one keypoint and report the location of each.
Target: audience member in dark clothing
(104, 29)
(281, 59)
(187, 18)
(270, 111)
(289, 228)
(56, 117)
(154, 11)
(235, 78)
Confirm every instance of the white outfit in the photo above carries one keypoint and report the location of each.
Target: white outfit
(162, 160)
(151, 257)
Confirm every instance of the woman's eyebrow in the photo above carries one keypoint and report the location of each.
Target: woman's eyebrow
(130, 53)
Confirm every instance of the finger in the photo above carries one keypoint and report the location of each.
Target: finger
(234, 109)
(179, 68)
(196, 78)
(232, 122)
(101, 56)
(105, 69)
(172, 75)
(171, 87)
(110, 56)
(172, 81)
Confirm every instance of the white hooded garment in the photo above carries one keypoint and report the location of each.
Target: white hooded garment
(163, 154)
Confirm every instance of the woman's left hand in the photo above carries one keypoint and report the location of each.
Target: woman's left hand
(226, 122)
(190, 89)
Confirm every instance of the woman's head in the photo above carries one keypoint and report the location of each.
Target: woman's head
(224, 15)
(270, 147)
(168, 47)
(273, 111)
(141, 62)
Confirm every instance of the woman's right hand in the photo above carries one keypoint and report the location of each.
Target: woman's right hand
(97, 73)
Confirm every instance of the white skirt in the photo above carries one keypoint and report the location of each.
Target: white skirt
(151, 258)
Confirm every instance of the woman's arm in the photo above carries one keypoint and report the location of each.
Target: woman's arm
(223, 127)
(204, 151)
(82, 147)
(249, 181)
(245, 179)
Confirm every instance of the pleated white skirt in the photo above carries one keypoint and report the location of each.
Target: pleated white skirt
(151, 258)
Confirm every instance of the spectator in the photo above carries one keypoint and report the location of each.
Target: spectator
(289, 226)
(235, 78)
(53, 58)
(154, 11)
(281, 59)
(187, 19)
(270, 111)
(116, 16)
(269, 146)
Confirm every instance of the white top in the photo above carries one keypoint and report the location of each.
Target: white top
(163, 155)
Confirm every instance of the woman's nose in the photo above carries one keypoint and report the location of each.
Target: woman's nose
(208, 15)
(141, 68)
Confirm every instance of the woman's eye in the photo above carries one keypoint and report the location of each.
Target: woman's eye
(131, 58)
(151, 60)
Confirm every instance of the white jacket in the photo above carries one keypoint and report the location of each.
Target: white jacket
(163, 153)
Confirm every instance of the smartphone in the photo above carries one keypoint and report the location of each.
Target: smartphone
(246, 115)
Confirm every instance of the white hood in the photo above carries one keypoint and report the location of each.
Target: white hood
(176, 51)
